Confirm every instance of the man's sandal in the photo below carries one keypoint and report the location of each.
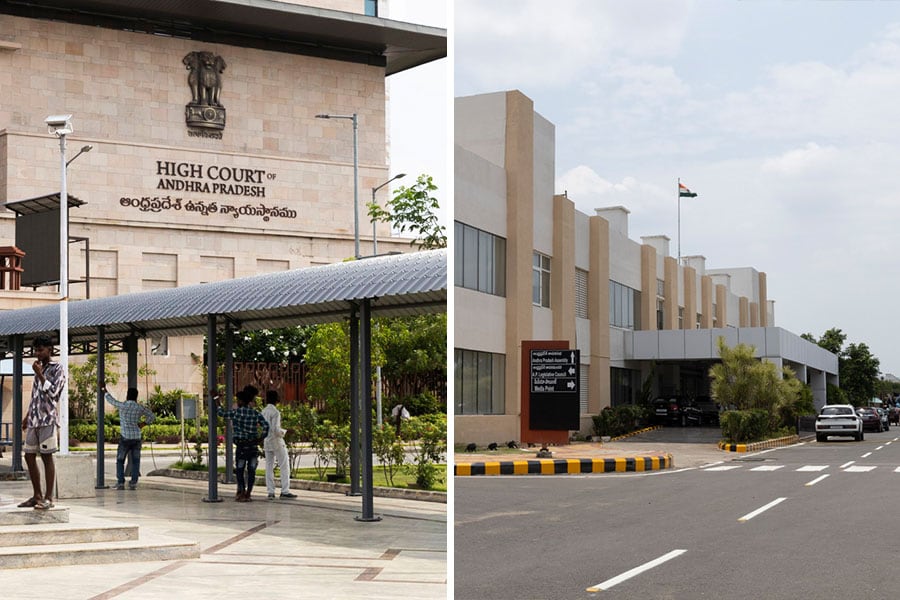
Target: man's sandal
(28, 503)
(44, 504)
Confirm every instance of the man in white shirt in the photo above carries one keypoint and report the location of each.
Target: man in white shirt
(275, 448)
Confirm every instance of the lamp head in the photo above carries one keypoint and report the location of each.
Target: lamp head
(399, 175)
(87, 148)
(59, 125)
(323, 116)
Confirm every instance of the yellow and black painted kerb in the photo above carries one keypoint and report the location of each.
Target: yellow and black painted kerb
(568, 466)
(763, 445)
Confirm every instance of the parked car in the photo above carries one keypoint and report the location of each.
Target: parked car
(709, 410)
(839, 419)
(871, 420)
(675, 410)
(885, 418)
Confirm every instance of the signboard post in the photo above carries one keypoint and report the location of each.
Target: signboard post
(554, 389)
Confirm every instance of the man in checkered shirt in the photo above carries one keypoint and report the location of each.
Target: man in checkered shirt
(130, 413)
(249, 430)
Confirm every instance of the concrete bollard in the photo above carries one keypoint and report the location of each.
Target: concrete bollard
(75, 476)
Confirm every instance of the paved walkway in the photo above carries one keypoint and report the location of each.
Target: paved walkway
(310, 547)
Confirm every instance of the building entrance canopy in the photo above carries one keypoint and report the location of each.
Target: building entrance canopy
(390, 286)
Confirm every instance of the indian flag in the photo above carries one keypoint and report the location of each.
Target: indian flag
(684, 192)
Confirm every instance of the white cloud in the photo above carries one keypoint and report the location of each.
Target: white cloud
(810, 158)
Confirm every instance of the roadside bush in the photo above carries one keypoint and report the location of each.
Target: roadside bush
(619, 420)
(742, 426)
(389, 450)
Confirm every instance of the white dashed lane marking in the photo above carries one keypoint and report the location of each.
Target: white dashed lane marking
(816, 480)
(812, 468)
(767, 468)
(859, 469)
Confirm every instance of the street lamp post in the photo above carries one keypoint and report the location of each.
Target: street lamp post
(375, 189)
(61, 126)
(353, 118)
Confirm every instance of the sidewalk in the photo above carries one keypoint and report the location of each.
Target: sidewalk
(308, 547)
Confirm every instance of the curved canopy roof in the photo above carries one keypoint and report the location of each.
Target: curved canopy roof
(398, 285)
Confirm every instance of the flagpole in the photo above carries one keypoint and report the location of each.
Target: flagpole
(678, 191)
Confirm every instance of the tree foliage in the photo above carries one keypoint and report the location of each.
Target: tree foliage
(858, 369)
(283, 345)
(83, 385)
(414, 209)
(762, 398)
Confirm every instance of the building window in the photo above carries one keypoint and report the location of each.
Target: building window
(540, 280)
(581, 293)
(624, 386)
(583, 388)
(480, 379)
(715, 321)
(372, 8)
(660, 303)
(480, 260)
(621, 305)
(680, 317)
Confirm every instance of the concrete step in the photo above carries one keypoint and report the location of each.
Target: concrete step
(84, 531)
(11, 515)
(147, 548)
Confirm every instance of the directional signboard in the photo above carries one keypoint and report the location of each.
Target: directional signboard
(554, 391)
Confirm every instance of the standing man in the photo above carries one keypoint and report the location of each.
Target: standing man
(275, 448)
(41, 421)
(250, 428)
(130, 424)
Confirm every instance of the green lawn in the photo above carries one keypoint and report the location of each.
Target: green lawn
(402, 479)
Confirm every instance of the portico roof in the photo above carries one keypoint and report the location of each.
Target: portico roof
(264, 24)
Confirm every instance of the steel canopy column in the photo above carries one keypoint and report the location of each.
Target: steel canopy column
(211, 367)
(365, 345)
(18, 342)
(101, 408)
(131, 348)
(354, 402)
(229, 394)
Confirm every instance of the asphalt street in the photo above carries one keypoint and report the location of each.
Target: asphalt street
(810, 520)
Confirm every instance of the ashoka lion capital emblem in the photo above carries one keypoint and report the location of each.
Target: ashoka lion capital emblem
(205, 80)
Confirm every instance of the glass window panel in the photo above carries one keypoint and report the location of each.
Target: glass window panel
(498, 399)
(458, 382)
(485, 262)
(470, 379)
(470, 257)
(499, 266)
(545, 289)
(485, 363)
(536, 287)
(458, 253)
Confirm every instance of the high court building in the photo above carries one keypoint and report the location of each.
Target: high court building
(197, 154)
(536, 280)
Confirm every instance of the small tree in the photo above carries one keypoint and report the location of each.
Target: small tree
(735, 378)
(389, 450)
(415, 209)
(83, 385)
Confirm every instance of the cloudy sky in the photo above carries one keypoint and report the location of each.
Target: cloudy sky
(418, 109)
(783, 116)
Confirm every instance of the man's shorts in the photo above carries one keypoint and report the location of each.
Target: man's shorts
(41, 440)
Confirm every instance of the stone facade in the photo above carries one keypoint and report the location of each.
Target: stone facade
(168, 205)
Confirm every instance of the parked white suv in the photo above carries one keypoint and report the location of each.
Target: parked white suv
(838, 419)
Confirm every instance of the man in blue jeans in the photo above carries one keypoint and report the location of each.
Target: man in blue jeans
(130, 413)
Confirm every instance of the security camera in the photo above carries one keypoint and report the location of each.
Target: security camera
(59, 124)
